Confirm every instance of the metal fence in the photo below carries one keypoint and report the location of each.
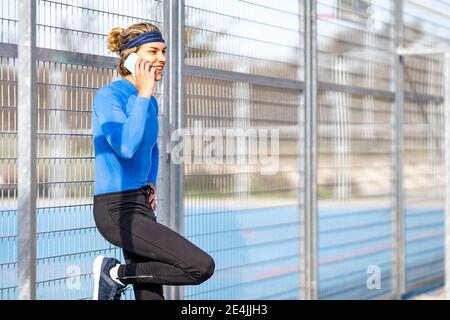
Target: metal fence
(355, 209)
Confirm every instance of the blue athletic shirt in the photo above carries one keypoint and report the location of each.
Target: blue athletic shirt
(125, 132)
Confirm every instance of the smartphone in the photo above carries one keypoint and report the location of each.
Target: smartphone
(130, 62)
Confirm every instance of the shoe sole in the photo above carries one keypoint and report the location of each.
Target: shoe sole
(97, 269)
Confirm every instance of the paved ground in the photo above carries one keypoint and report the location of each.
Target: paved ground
(437, 294)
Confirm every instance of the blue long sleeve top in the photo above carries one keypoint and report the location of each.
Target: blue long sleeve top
(125, 132)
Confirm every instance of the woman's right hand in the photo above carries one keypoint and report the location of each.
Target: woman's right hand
(144, 78)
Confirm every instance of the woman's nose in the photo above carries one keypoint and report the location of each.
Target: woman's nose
(161, 58)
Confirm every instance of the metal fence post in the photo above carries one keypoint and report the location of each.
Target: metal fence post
(397, 152)
(447, 172)
(174, 99)
(310, 223)
(27, 126)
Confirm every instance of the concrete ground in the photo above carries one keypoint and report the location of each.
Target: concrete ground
(437, 294)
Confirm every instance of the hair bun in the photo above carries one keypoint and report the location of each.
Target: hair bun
(114, 39)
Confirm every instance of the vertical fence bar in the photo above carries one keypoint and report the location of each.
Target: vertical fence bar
(310, 225)
(397, 152)
(447, 172)
(174, 99)
(163, 189)
(301, 163)
(27, 115)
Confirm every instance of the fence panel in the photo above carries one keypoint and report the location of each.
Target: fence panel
(67, 240)
(247, 220)
(354, 190)
(8, 154)
(426, 25)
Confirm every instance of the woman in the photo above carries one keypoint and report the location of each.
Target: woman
(125, 131)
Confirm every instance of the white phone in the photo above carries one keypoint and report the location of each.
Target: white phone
(130, 62)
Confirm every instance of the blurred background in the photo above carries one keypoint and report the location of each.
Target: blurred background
(357, 207)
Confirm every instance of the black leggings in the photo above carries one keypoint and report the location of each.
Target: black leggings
(155, 255)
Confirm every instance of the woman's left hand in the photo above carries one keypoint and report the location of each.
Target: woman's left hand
(152, 197)
(153, 201)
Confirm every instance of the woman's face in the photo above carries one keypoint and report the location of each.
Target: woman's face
(155, 52)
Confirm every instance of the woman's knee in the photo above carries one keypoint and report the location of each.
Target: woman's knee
(205, 269)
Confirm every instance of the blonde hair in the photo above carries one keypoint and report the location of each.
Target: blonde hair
(118, 37)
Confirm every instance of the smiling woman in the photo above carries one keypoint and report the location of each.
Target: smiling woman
(125, 132)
